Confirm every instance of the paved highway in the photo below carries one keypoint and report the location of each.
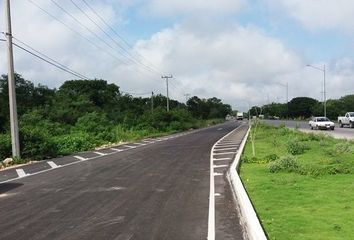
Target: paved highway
(345, 133)
(153, 189)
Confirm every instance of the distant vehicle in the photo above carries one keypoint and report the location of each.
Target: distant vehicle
(321, 123)
(348, 119)
(273, 118)
(239, 116)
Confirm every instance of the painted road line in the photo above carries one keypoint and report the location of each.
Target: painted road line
(21, 173)
(80, 158)
(211, 215)
(139, 144)
(117, 149)
(224, 149)
(225, 153)
(229, 144)
(217, 195)
(99, 153)
(146, 141)
(220, 166)
(129, 146)
(219, 129)
(222, 159)
(52, 164)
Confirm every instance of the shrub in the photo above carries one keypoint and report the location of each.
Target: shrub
(5, 146)
(271, 157)
(75, 142)
(296, 147)
(286, 163)
(36, 144)
(96, 125)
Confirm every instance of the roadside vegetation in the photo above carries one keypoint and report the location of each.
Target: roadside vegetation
(305, 107)
(84, 114)
(300, 184)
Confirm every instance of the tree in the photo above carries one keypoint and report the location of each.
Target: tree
(302, 107)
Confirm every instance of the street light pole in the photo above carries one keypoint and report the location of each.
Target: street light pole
(324, 86)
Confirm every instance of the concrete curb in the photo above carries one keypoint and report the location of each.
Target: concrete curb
(249, 220)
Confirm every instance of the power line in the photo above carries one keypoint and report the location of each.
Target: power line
(73, 30)
(78, 33)
(51, 59)
(65, 69)
(129, 55)
(115, 32)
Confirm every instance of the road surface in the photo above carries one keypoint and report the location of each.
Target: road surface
(341, 133)
(153, 189)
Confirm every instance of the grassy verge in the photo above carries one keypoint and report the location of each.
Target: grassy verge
(301, 184)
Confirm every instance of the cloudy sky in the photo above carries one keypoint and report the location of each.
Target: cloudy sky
(237, 50)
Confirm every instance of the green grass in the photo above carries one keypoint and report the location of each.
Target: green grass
(313, 201)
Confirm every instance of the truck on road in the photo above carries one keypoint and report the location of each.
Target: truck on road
(348, 119)
(239, 116)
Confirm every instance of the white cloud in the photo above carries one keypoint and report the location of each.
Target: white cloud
(319, 14)
(200, 7)
(208, 58)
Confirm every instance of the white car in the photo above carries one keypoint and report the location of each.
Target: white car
(321, 123)
(348, 119)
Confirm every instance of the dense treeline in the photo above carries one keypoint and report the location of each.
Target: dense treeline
(82, 114)
(305, 107)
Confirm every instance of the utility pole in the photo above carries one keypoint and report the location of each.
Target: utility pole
(287, 100)
(12, 86)
(324, 91)
(168, 99)
(187, 95)
(152, 101)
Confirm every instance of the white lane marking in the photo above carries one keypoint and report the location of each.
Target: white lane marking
(224, 149)
(78, 162)
(80, 158)
(148, 141)
(211, 216)
(21, 173)
(227, 144)
(129, 146)
(224, 153)
(217, 195)
(219, 129)
(52, 164)
(220, 166)
(117, 150)
(139, 144)
(101, 154)
(222, 159)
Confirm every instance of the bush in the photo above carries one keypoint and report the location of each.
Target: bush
(75, 142)
(287, 163)
(296, 147)
(96, 125)
(5, 146)
(271, 157)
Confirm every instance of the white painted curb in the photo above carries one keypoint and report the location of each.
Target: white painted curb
(249, 220)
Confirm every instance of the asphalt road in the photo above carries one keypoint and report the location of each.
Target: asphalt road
(154, 189)
(343, 133)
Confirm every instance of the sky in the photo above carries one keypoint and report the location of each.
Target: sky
(241, 51)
